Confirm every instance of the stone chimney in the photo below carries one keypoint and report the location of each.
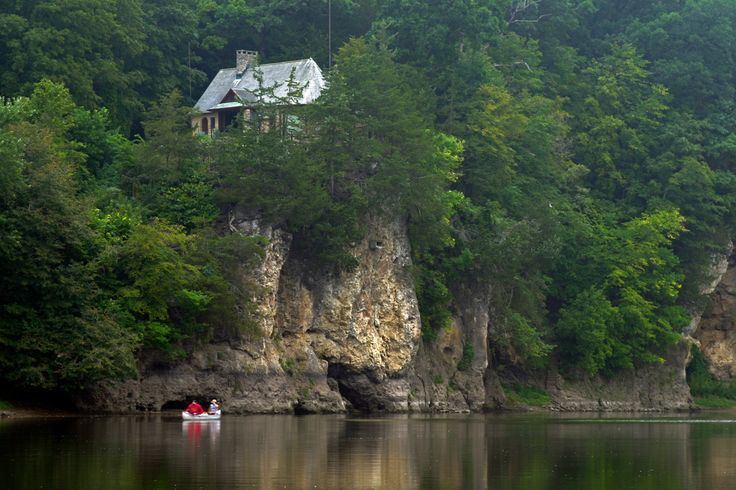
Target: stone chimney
(244, 59)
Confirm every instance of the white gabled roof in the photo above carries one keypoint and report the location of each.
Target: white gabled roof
(307, 74)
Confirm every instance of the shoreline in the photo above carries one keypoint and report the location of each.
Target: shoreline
(36, 412)
(33, 412)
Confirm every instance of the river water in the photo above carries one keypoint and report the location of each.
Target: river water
(348, 452)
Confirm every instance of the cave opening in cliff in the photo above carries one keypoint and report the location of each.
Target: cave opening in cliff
(300, 408)
(347, 387)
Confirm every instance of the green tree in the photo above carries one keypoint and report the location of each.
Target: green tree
(81, 43)
(366, 146)
(170, 173)
(54, 331)
(626, 312)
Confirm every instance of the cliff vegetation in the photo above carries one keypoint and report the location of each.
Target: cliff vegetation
(575, 159)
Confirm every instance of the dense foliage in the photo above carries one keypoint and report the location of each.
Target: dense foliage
(707, 390)
(90, 277)
(575, 158)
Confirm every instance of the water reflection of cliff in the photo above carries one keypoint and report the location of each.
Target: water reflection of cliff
(344, 452)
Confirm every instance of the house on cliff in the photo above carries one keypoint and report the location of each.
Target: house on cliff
(242, 88)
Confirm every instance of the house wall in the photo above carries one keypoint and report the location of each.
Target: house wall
(212, 123)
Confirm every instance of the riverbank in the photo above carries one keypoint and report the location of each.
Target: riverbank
(17, 412)
(519, 399)
(14, 410)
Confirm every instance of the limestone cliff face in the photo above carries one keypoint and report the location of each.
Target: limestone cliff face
(328, 341)
(716, 330)
(334, 342)
(437, 383)
(649, 389)
(440, 386)
(363, 326)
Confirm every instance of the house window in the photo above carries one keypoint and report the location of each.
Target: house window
(212, 124)
(205, 126)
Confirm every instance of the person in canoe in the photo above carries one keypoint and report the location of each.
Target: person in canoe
(214, 407)
(195, 408)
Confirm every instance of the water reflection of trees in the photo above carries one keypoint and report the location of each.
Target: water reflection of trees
(599, 455)
(347, 452)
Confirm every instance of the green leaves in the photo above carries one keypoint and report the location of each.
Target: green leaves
(190, 203)
(584, 330)
(55, 329)
(574, 157)
(87, 285)
(434, 298)
(153, 259)
(629, 314)
(618, 123)
(366, 146)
